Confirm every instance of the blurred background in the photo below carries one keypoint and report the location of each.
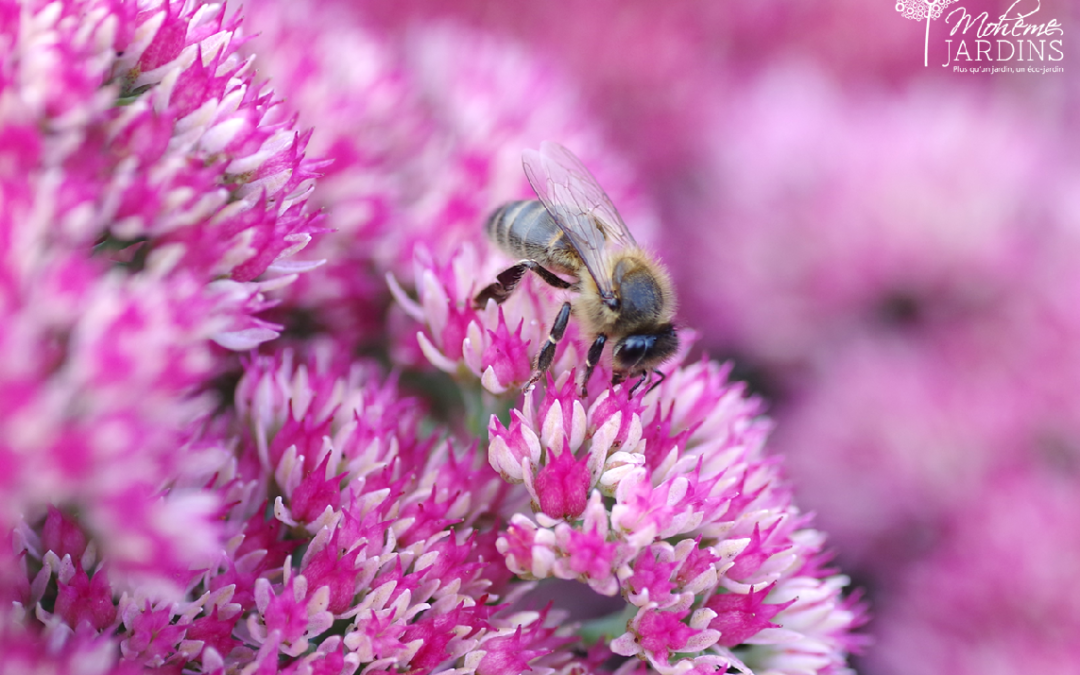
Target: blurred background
(889, 252)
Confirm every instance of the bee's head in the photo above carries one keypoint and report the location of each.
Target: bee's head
(640, 352)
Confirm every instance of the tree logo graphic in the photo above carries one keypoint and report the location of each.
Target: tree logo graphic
(923, 9)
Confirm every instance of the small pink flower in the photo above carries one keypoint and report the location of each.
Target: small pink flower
(86, 599)
(513, 450)
(62, 535)
(519, 651)
(506, 656)
(652, 576)
(335, 569)
(740, 616)
(152, 638)
(662, 632)
(437, 634)
(695, 562)
(656, 635)
(751, 559)
(315, 493)
(507, 359)
(291, 616)
(460, 339)
(215, 631)
(374, 638)
(517, 545)
(589, 556)
(562, 486)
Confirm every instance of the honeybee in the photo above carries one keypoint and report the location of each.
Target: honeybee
(624, 295)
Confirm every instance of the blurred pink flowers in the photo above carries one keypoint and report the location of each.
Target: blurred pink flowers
(874, 205)
(983, 599)
(895, 265)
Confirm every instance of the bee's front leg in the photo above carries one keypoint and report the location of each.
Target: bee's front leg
(547, 354)
(595, 351)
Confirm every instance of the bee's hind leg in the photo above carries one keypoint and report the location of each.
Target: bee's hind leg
(547, 354)
(509, 279)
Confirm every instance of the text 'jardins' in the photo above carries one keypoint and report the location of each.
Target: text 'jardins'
(1009, 38)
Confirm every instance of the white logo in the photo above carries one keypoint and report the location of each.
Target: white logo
(919, 10)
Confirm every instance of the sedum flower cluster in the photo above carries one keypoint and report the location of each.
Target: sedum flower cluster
(187, 490)
(667, 499)
(152, 194)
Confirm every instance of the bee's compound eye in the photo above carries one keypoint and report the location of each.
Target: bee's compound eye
(646, 350)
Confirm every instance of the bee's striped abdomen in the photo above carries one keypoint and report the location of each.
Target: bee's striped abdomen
(525, 229)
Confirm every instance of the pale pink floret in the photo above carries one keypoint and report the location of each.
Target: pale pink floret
(293, 616)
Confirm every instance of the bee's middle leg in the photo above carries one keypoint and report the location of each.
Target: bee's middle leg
(547, 354)
(509, 279)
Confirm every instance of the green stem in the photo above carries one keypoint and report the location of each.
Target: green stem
(475, 412)
(610, 626)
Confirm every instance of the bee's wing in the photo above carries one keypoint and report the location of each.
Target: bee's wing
(580, 207)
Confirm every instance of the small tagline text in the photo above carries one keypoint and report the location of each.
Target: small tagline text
(1041, 70)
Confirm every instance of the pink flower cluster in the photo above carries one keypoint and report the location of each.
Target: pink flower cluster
(170, 505)
(893, 247)
(349, 540)
(152, 192)
(668, 499)
(671, 504)
(878, 184)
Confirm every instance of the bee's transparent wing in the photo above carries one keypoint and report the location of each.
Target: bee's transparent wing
(580, 207)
